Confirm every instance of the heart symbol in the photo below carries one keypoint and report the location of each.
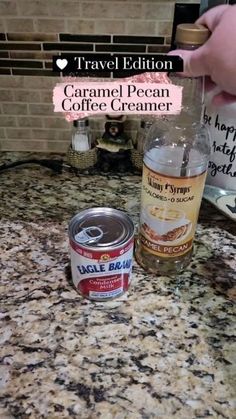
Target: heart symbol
(61, 63)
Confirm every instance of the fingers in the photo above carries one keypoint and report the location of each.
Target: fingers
(209, 84)
(195, 64)
(212, 18)
(223, 98)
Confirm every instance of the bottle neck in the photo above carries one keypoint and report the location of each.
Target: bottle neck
(192, 94)
(193, 89)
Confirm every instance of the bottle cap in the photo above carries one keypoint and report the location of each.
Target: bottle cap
(191, 34)
(146, 124)
(81, 123)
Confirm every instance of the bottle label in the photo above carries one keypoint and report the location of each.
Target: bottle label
(169, 212)
(98, 275)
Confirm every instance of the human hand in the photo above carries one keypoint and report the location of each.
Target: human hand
(217, 57)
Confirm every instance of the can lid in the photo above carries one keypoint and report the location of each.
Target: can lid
(191, 33)
(101, 228)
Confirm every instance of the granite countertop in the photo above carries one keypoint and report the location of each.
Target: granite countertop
(166, 349)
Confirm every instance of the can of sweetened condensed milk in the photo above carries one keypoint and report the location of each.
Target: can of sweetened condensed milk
(101, 248)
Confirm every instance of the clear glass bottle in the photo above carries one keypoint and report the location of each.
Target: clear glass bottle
(81, 135)
(174, 170)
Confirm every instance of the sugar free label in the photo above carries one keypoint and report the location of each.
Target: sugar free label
(169, 212)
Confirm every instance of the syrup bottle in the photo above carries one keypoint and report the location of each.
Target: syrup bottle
(175, 163)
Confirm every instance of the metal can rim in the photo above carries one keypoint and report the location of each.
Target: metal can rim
(129, 223)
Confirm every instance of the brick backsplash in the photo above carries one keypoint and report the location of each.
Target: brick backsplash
(33, 51)
(31, 31)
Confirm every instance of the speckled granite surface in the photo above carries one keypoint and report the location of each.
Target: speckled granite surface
(167, 350)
